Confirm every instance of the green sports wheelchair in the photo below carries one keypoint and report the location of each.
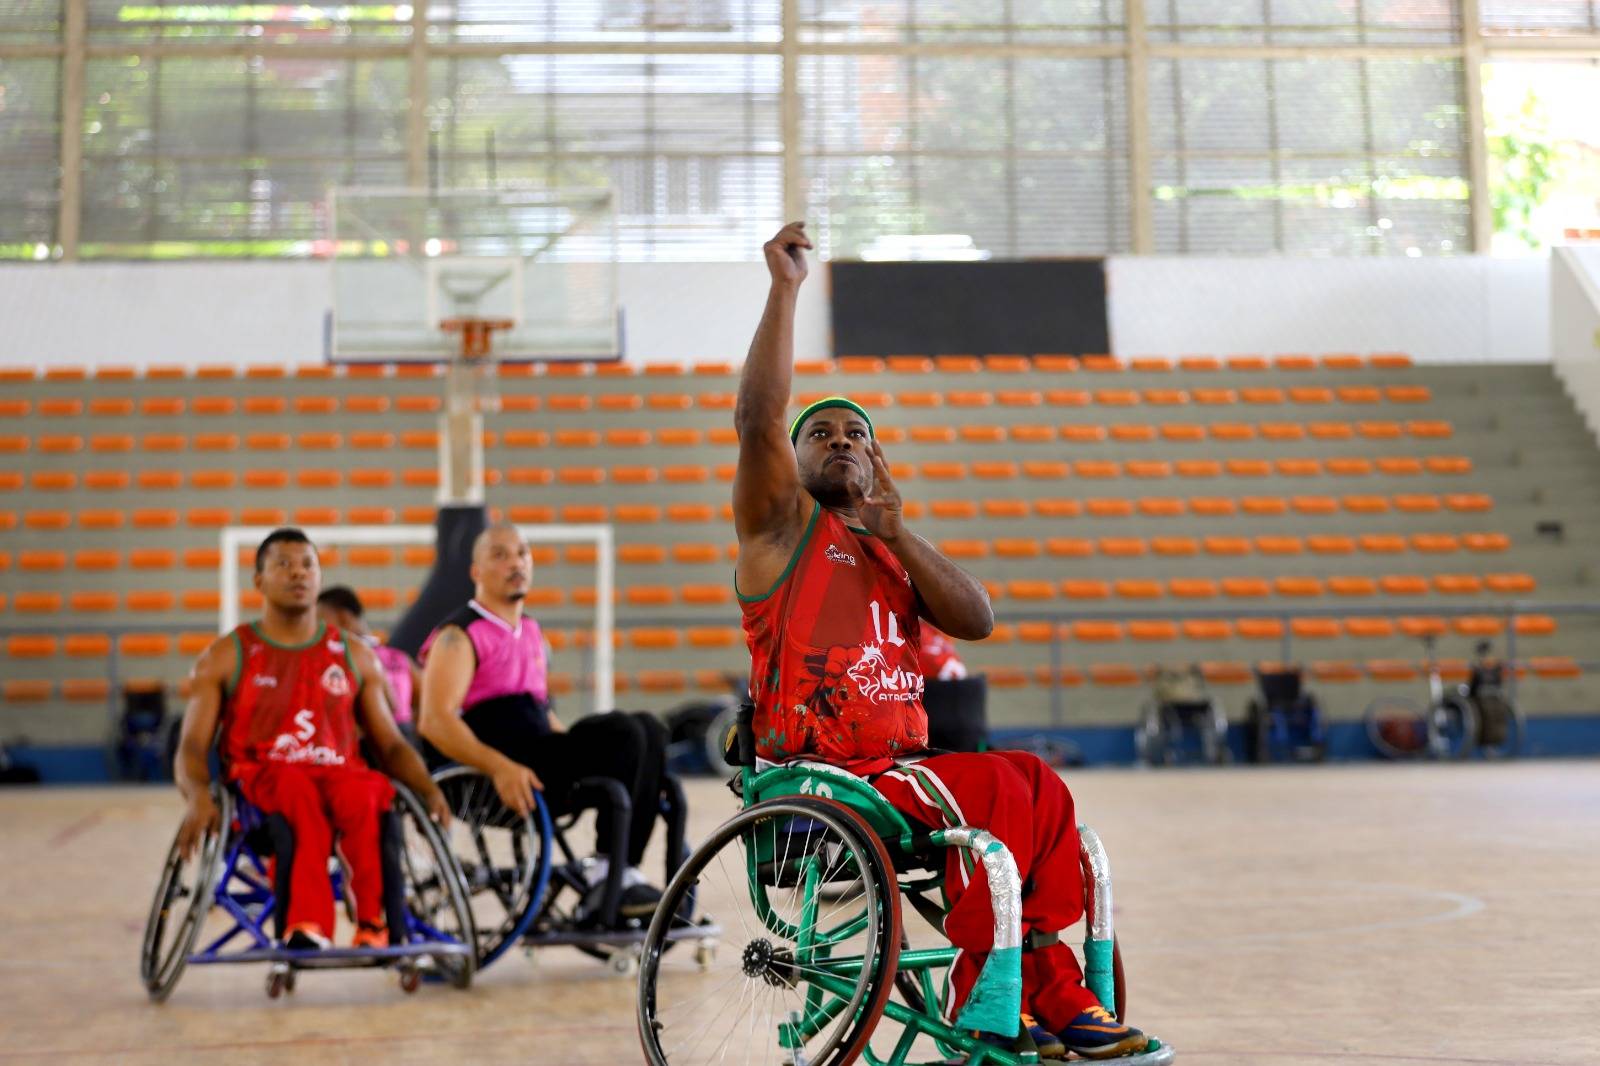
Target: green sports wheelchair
(806, 882)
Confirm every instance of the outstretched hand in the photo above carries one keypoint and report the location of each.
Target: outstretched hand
(786, 259)
(879, 510)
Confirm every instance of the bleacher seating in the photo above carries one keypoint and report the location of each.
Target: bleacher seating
(1296, 497)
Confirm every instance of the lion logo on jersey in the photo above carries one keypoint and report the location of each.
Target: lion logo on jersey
(335, 681)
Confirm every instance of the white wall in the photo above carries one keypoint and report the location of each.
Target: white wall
(1575, 327)
(1461, 310)
(242, 312)
(1468, 309)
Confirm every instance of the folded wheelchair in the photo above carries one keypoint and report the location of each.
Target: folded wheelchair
(228, 897)
(527, 886)
(807, 880)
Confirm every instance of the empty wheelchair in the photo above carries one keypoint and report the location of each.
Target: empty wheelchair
(807, 881)
(528, 886)
(1285, 719)
(1181, 705)
(226, 896)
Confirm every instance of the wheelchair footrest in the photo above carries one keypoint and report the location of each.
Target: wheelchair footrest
(1157, 1054)
(337, 958)
(701, 930)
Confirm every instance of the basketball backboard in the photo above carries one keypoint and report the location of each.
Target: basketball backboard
(411, 265)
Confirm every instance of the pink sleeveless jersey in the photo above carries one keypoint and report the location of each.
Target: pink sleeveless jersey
(510, 659)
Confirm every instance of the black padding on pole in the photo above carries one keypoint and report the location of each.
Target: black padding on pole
(448, 585)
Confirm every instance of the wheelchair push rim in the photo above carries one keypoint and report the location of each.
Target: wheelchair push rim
(504, 858)
(169, 935)
(796, 978)
(436, 898)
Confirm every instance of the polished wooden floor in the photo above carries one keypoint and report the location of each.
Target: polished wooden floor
(1298, 916)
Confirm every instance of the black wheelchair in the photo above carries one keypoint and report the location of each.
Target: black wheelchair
(1285, 719)
(528, 885)
(230, 893)
(1181, 704)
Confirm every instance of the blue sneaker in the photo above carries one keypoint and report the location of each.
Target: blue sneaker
(1048, 1043)
(1096, 1034)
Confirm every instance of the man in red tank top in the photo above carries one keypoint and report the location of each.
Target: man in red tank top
(833, 589)
(292, 697)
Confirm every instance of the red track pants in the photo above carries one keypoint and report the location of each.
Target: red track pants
(1022, 802)
(318, 802)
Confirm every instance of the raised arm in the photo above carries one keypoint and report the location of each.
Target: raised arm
(446, 676)
(769, 504)
(395, 756)
(213, 672)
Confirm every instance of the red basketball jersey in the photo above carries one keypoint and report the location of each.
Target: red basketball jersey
(833, 650)
(291, 704)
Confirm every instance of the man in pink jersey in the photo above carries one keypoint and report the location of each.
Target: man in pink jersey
(341, 608)
(486, 703)
(293, 697)
(833, 589)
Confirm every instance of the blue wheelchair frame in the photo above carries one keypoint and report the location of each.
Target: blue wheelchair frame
(240, 883)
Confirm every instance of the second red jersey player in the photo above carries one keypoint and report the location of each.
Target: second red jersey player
(293, 698)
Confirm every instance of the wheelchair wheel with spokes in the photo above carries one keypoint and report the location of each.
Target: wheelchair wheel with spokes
(182, 901)
(1397, 727)
(504, 858)
(436, 900)
(798, 976)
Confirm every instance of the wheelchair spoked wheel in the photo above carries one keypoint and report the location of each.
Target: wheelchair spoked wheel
(182, 901)
(436, 899)
(798, 977)
(1398, 728)
(1452, 729)
(504, 860)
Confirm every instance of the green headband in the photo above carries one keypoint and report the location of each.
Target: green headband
(824, 404)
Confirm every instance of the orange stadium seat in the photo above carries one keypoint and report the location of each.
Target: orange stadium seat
(1358, 394)
(95, 559)
(1486, 542)
(1069, 547)
(1206, 629)
(1182, 432)
(1282, 431)
(1152, 631)
(47, 519)
(216, 442)
(111, 442)
(1115, 675)
(1391, 669)
(1298, 586)
(994, 471)
(1041, 470)
(1277, 544)
(1469, 502)
(1198, 468)
(1030, 590)
(957, 364)
(1334, 671)
(144, 645)
(60, 408)
(54, 480)
(1369, 627)
(1136, 433)
(1200, 363)
(315, 405)
(42, 561)
(1430, 429)
(1245, 587)
(267, 442)
(1343, 361)
(1017, 548)
(1121, 547)
(1161, 506)
(1551, 667)
(25, 690)
(705, 594)
(1174, 546)
(1004, 509)
(1137, 589)
(1416, 503)
(1399, 466)
(1221, 545)
(964, 549)
(1311, 396)
(1262, 396)
(1260, 628)
(36, 602)
(1192, 588)
(1477, 625)
(1083, 434)
(969, 398)
(1108, 507)
(1212, 506)
(1353, 585)
(1408, 393)
(1090, 632)
(1315, 628)
(1403, 585)
(1330, 430)
(1057, 508)
(1330, 544)
(1512, 583)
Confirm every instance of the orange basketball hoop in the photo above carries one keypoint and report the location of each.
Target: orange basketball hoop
(477, 334)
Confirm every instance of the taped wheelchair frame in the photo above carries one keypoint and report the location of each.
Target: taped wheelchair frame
(233, 873)
(814, 867)
(521, 894)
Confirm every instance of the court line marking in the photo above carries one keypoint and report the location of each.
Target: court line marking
(78, 828)
(1463, 906)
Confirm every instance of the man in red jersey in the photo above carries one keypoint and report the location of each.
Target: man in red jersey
(832, 587)
(289, 693)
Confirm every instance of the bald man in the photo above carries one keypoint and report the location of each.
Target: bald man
(486, 704)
